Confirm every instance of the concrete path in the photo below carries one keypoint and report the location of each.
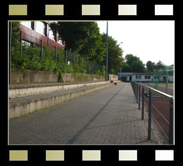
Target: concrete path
(109, 116)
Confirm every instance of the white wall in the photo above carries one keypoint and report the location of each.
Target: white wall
(113, 77)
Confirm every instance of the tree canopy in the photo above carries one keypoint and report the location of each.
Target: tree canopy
(81, 37)
(85, 39)
(133, 64)
(115, 58)
(152, 65)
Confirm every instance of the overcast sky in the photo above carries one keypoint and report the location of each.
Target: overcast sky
(148, 40)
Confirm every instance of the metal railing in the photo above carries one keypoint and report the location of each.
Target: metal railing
(139, 88)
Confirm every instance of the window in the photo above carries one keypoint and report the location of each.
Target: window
(40, 27)
(26, 23)
(61, 42)
(26, 43)
(147, 77)
(51, 35)
(138, 77)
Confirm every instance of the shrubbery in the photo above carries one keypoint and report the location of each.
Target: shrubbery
(30, 58)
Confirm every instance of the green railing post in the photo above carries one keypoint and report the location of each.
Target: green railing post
(171, 126)
(139, 95)
(142, 102)
(150, 115)
(137, 92)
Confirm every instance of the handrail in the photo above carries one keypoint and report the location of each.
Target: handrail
(157, 91)
(137, 92)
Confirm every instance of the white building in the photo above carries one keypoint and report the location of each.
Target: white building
(142, 77)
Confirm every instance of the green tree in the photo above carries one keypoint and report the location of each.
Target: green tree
(134, 63)
(115, 58)
(150, 66)
(126, 68)
(160, 65)
(15, 34)
(130, 59)
(138, 66)
(81, 37)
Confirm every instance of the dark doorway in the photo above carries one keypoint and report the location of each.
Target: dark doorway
(123, 79)
(130, 78)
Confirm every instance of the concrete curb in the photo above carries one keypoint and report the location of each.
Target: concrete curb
(19, 109)
(26, 91)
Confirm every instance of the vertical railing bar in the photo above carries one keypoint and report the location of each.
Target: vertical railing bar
(139, 94)
(142, 102)
(171, 129)
(136, 93)
(150, 115)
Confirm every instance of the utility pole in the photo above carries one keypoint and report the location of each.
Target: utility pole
(106, 73)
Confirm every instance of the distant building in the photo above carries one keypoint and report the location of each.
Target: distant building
(142, 77)
(129, 76)
(33, 32)
(170, 67)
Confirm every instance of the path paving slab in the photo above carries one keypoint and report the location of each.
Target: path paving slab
(106, 117)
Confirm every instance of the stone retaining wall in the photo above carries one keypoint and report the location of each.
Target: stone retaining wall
(32, 76)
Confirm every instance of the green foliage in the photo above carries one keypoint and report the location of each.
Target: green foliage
(114, 54)
(160, 65)
(83, 62)
(112, 71)
(83, 38)
(138, 66)
(15, 34)
(126, 67)
(150, 66)
(133, 64)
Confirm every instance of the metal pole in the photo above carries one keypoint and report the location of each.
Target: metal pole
(56, 52)
(21, 43)
(132, 84)
(66, 55)
(41, 49)
(135, 86)
(106, 74)
(139, 95)
(171, 129)
(142, 102)
(10, 33)
(150, 114)
(137, 92)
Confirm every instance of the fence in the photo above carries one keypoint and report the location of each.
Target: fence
(85, 65)
(161, 106)
(76, 62)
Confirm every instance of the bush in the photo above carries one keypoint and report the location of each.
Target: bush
(27, 57)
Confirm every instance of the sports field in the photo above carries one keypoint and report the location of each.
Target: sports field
(160, 106)
(170, 85)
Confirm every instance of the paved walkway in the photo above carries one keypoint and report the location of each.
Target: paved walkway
(109, 116)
